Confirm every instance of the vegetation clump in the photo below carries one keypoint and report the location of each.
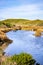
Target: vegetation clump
(22, 59)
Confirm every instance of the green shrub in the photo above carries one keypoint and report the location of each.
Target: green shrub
(7, 24)
(22, 59)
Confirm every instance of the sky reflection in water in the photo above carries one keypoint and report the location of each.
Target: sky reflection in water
(25, 41)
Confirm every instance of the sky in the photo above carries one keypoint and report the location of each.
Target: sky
(23, 9)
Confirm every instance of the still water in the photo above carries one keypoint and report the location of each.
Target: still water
(25, 41)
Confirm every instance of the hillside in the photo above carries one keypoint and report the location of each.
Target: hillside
(12, 22)
(20, 24)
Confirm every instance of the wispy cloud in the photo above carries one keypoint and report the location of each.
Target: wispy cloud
(30, 11)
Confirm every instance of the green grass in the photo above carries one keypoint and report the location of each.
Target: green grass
(12, 22)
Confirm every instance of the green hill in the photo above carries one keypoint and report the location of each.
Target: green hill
(12, 22)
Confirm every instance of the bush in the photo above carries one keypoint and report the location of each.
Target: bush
(22, 59)
(7, 24)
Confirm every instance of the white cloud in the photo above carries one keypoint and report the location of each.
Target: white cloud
(24, 11)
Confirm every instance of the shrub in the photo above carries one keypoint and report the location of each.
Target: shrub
(22, 59)
(7, 24)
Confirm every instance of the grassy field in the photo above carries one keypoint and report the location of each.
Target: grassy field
(23, 24)
(12, 22)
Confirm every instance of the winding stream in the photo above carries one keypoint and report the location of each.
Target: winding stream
(25, 41)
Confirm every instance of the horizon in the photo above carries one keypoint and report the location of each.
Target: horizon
(21, 9)
(20, 19)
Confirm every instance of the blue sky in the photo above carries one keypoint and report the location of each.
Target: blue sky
(27, 9)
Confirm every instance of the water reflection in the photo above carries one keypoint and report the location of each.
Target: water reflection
(25, 41)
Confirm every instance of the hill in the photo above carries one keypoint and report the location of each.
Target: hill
(12, 22)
